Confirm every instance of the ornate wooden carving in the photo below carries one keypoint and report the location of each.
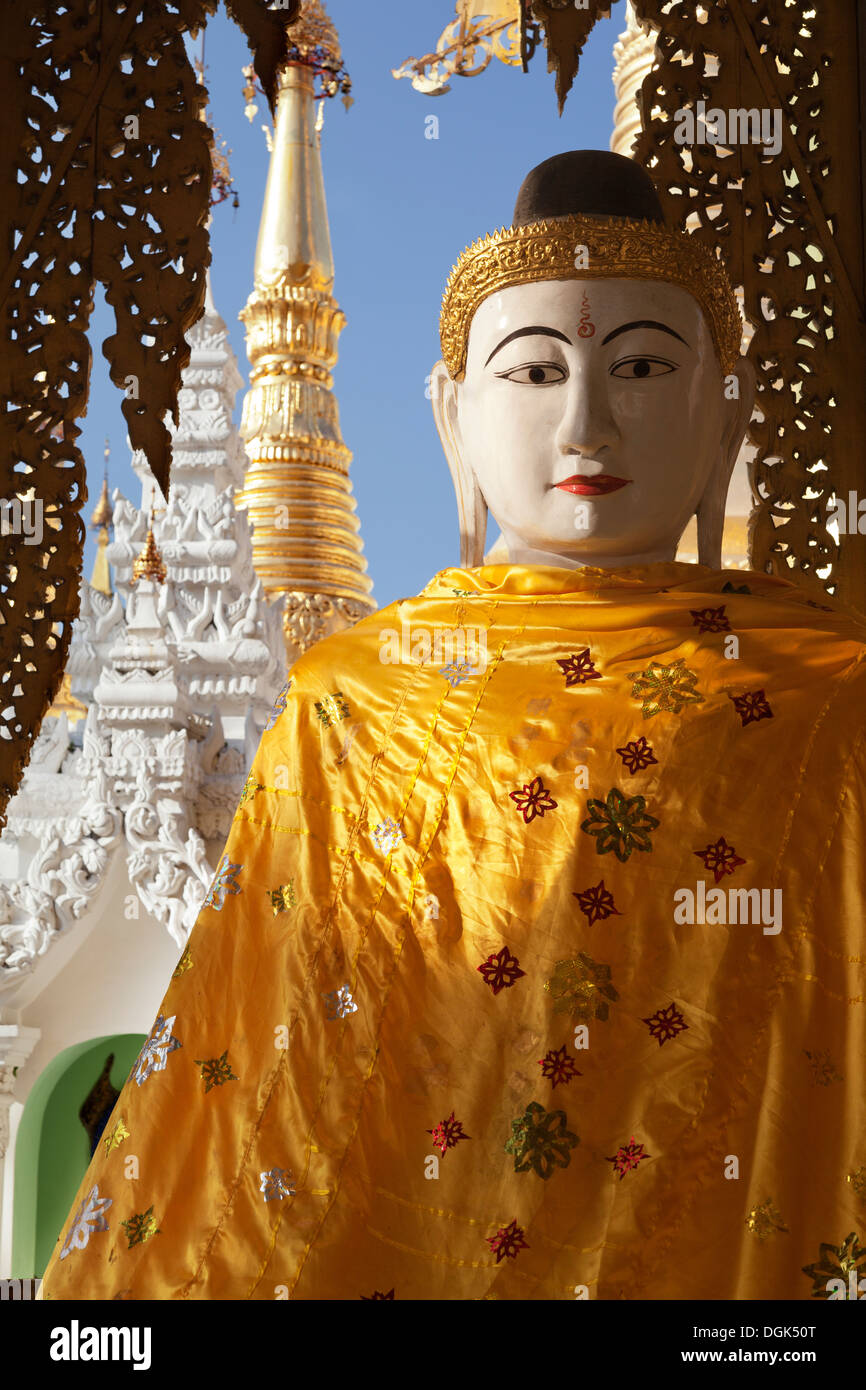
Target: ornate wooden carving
(790, 228)
(566, 28)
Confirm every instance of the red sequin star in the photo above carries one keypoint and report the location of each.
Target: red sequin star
(533, 799)
(628, 1157)
(720, 858)
(710, 619)
(752, 706)
(665, 1024)
(448, 1133)
(637, 755)
(597, 903)
(558, 1067)
(507, 1241)
(578, 669)
(501, 971)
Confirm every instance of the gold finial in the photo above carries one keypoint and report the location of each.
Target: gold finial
(149, 564)
(102, 510)
(101, 520)
(313, 39)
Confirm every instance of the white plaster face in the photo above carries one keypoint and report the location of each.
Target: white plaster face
(593, 418)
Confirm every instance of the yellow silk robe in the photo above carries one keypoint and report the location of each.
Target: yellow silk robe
(443, 1028)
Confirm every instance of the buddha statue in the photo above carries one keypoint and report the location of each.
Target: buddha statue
(515, 980)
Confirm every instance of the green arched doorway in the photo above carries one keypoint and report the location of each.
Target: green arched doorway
(52, 1149)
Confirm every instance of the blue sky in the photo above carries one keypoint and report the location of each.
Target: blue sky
(402, 207)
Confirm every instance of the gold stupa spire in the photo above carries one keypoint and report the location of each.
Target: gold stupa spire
(101, 577)
(297, 492)
(149, 563)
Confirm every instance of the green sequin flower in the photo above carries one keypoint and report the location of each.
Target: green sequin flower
(661, 687)
(540, 1140)
(582, 988)
(621, 824)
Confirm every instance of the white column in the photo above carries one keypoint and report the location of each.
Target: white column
(10, 1114)
(16, 1045)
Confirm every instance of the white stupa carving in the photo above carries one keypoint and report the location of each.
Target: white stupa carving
(115, 832)
(178, 678)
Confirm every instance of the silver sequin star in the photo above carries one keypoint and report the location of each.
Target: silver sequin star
(340, 1003)
(276, 1183)
(387, 835)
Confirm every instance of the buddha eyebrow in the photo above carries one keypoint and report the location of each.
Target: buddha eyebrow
(528, 333)
(642, 323)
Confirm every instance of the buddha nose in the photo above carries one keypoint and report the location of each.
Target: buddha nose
(587, 424)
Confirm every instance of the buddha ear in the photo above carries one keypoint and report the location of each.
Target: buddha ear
(471, 506)
(739, 390)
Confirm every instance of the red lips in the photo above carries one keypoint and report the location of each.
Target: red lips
(583, 486)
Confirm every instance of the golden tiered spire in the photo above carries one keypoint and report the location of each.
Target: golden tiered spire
(149, 563)
(101, 577)
(306, 537)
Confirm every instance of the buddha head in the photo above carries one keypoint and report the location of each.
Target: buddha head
(592, 396)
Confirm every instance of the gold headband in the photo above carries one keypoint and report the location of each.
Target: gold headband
(617, 247)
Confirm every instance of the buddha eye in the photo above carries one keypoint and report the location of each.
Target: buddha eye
(638, 368)
(536, 374)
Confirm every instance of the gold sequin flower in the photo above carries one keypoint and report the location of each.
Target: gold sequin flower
(582, 988)
(116, 1135)
(540, 1140)
(283, 897)
(839, 1271)
(620, 824)
(140, 1228)
(332, 708)
(764, 1220)
(661, 687)
(251, 786)
(216, 1071)
(185, 963)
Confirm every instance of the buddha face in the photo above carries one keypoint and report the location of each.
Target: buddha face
(593, 420)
